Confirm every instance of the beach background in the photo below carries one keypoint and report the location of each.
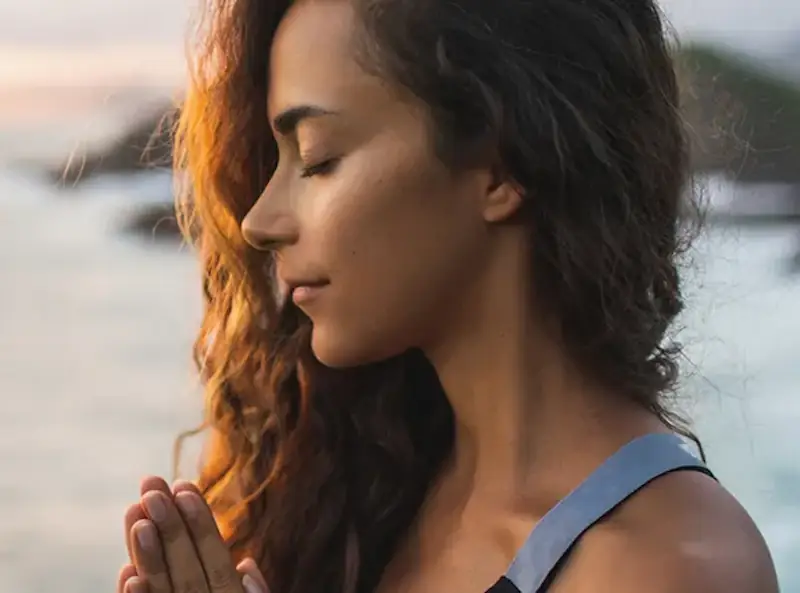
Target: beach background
(96, 323)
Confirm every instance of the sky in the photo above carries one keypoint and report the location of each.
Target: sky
(758, 25)
(44, 40)
(105, 21)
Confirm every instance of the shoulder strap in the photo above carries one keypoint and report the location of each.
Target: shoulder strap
(621, 475)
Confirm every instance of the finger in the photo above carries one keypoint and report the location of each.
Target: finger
(252, 579)
(214, 554)
(185, 486)
(184, 565)
(136, 585)
(148, 557)
(134, 513)
(128, 571)
(154, 483)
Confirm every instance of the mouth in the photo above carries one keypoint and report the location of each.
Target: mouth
(304, 291)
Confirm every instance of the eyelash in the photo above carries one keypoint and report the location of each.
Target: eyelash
(322, 168)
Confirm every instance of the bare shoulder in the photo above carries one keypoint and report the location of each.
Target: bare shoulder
(682, 533)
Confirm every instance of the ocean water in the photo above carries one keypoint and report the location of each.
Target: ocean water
(95, 380)
(95, 332)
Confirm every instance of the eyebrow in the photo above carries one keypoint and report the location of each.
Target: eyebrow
(287, 121)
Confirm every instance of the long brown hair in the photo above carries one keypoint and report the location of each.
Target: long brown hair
(319, 473)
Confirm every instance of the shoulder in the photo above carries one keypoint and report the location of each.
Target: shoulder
(684, 533)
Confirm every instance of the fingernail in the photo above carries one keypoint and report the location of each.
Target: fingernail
(188, 503)
(155, 506)
(147, 536)
(181, 484)
(135, 585)
(250, 585)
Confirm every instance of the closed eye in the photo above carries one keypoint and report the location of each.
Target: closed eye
(321, 168)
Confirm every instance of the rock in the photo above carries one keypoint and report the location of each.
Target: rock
(153, 222)
(744, 118)
(147, 145)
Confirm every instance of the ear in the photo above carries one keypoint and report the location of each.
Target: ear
(503, 198)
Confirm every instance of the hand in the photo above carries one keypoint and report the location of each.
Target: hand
(175, 546)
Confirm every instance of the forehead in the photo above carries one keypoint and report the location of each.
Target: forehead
(312, 57)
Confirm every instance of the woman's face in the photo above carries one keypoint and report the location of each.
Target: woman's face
(380, 241)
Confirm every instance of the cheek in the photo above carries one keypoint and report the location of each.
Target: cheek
(396, 242)
(387, 205)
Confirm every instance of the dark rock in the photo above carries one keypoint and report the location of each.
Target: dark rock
(153, 222)
(147, 145)
(743, 118)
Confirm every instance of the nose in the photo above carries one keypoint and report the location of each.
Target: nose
(269, 229)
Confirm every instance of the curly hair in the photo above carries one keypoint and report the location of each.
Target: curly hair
(318, 473)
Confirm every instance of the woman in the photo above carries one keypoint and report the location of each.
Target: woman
(439, 245)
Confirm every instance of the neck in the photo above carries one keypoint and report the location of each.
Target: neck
(529, 428)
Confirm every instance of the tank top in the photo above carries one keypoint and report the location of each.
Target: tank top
(619, 477)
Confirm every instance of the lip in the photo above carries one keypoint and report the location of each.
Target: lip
(305, 292)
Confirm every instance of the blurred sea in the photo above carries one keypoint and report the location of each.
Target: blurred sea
(96, 327)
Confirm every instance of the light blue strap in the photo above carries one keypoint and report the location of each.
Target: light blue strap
(621, 475)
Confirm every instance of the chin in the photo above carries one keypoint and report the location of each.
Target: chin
(338, 350)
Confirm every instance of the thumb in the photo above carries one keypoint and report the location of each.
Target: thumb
(252, 579)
